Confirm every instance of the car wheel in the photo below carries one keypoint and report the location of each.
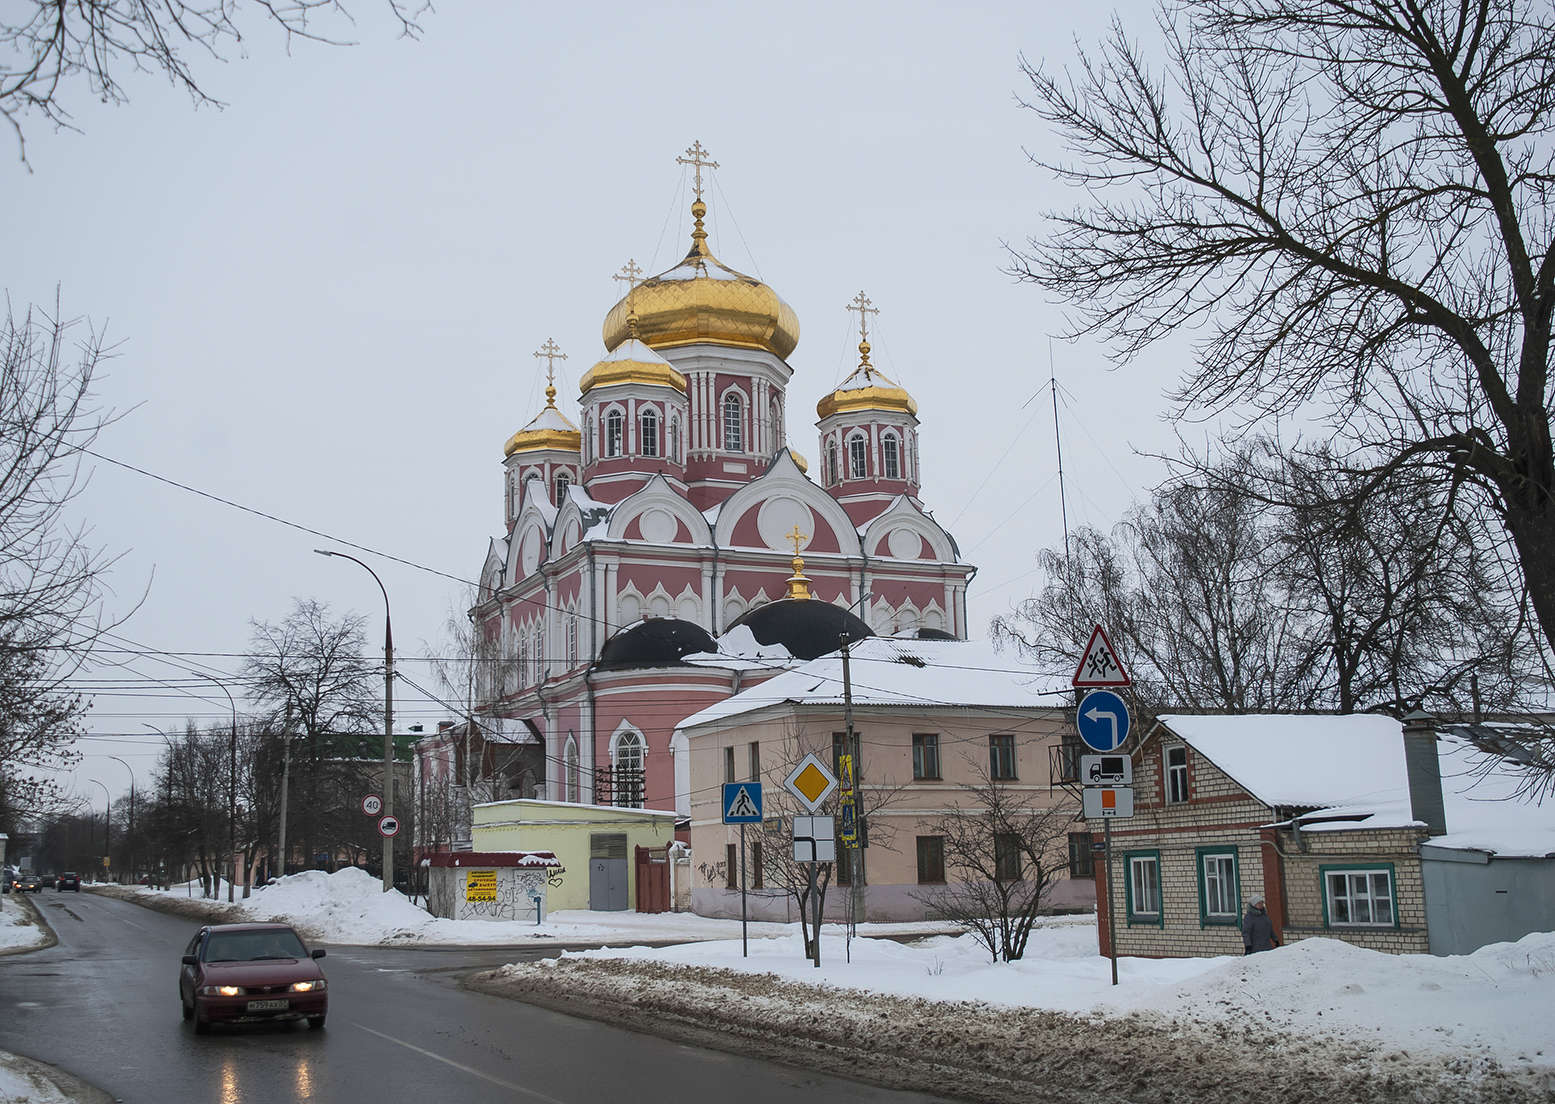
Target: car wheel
(186, 1009)
(316, 1023)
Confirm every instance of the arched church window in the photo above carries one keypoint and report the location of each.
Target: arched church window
(831, 463)
(890, 456)
(628, 764)
(563, 481)
(615, 426)
(650, 432)
(674, 449)
(571, 793)
(734, 424)
(858, 458)
(588, 438)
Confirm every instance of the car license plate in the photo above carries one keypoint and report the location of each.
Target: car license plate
(267, 1006)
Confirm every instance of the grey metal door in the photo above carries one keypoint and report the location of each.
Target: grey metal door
(607, 872)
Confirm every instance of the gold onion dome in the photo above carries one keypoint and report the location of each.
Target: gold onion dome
(632, 362)
(866, 388)
(701, 300)
(549, 429)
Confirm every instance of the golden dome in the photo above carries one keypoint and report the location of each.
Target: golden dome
(867, 388)
(632, 362)
(549, 429)
(701, 300)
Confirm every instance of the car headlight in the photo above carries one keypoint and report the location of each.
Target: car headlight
(309, 986)
(221, 990)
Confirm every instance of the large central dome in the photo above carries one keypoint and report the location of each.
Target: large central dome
(703, 301)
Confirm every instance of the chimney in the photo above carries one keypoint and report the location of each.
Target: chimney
(1424, 771)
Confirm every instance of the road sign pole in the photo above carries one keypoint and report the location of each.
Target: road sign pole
(815, 906)
(745, 948)
(1112, 916)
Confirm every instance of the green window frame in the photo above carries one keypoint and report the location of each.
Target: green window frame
(1349, 872)
(1227, 887)
(1156, 919)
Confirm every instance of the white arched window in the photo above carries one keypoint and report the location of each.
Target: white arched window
(649, 440)
(570, 780)
(734, 424)
(572, 641)
(674, 449)
(563, 481)
(891, 456)
(588, 438)
(858, 457)
(627, 762)
(831, 463)
(615, 426)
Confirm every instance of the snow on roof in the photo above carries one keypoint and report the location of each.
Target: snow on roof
(738, 649)
(1351, 770)
(893, 672)
(550, 418)
(634, 350)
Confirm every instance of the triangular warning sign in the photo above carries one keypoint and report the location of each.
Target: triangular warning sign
(1100, 666)
(742, 806)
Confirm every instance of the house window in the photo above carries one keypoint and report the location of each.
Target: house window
(615, 425)
(732, 862)
(1001, 757)
(629, 771)
(831, 463)
(1006, 857)
(1144, 887)
(931, 860)
(755, 871)
(925, 755)
(1176, 775)
(563, 481)
(734, 424)
(755, 760)
(649, 442)
(729, 764)
(1081, 864)
(1359, 897)
(858, 457)
(891, 456)
(1219, 899)
(844, 864)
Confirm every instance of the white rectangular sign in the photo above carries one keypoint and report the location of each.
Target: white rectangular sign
(815, 839)
(1106, 770)
(1106, 802)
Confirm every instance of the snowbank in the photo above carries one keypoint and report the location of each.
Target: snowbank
(17, 930)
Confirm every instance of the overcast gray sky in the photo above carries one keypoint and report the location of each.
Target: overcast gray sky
(326, 295)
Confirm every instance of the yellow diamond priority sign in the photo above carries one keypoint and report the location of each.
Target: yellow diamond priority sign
(811, 782)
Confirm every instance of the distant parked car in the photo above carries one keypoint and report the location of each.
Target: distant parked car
(68, 880)
(246, 973)
(28, 883)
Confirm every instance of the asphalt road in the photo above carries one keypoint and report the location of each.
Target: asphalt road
(103, 1005)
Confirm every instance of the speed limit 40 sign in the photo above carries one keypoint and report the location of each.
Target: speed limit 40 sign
(372, 804)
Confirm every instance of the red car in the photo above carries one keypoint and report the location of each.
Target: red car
(248, 973)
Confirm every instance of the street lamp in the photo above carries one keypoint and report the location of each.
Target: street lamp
(107, 823)
(232, 787)
(388, 716)
(130, 839)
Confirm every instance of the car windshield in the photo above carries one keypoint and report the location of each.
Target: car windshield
(253, 946)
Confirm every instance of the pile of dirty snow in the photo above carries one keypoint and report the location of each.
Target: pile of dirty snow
(17, 929)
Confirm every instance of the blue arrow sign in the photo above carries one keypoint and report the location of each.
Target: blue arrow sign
(742, 802)
(1102, 720)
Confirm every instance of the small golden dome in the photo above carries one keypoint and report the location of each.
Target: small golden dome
(867, 388)
(632, 362)
(549, 429)
(702, 300)
(799, 461)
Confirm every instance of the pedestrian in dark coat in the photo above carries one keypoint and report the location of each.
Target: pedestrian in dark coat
(1257, 928)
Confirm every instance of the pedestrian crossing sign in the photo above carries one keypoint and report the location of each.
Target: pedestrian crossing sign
(742, 803)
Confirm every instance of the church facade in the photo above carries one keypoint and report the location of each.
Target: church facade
(652, 543)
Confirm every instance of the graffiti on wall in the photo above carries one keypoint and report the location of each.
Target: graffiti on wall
(510, 895)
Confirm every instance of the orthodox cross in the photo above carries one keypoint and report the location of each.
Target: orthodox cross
(552, 352)
(797, 537)
(630, 273)
(698, 157)
(865, 308)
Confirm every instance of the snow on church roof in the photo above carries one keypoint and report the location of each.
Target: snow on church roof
(888, 671)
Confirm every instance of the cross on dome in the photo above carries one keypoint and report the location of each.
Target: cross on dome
(865, 307)
(552, 352)
(630, 272)
(797, 537)
(698, 158)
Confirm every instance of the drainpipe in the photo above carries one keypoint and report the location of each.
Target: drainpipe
(1423, 769)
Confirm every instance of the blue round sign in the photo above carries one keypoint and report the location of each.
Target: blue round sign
(1102, 720)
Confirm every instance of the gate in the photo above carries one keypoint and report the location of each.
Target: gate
(653, 879)
(607, 872)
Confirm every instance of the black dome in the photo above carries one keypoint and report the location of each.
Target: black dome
(807, 627)
(657, 642)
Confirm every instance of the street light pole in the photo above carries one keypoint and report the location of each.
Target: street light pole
(107, 822)
(130, 839)
(388, 716)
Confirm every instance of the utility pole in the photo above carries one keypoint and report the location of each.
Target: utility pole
(851, 741)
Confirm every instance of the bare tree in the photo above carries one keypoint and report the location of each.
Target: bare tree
(1353, 203)
(48, 47)
(50, 573)
(1004, 855)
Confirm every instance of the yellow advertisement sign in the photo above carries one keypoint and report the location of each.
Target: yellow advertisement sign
(480, 885)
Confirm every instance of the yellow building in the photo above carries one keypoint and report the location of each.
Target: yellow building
(595, 843)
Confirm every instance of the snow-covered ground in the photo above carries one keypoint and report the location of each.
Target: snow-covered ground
(17, 929)
(349, 906)
(20, 1084)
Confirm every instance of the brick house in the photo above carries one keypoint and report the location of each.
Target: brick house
(1392, 837)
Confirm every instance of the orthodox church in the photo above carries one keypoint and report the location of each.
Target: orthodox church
(669, 548)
